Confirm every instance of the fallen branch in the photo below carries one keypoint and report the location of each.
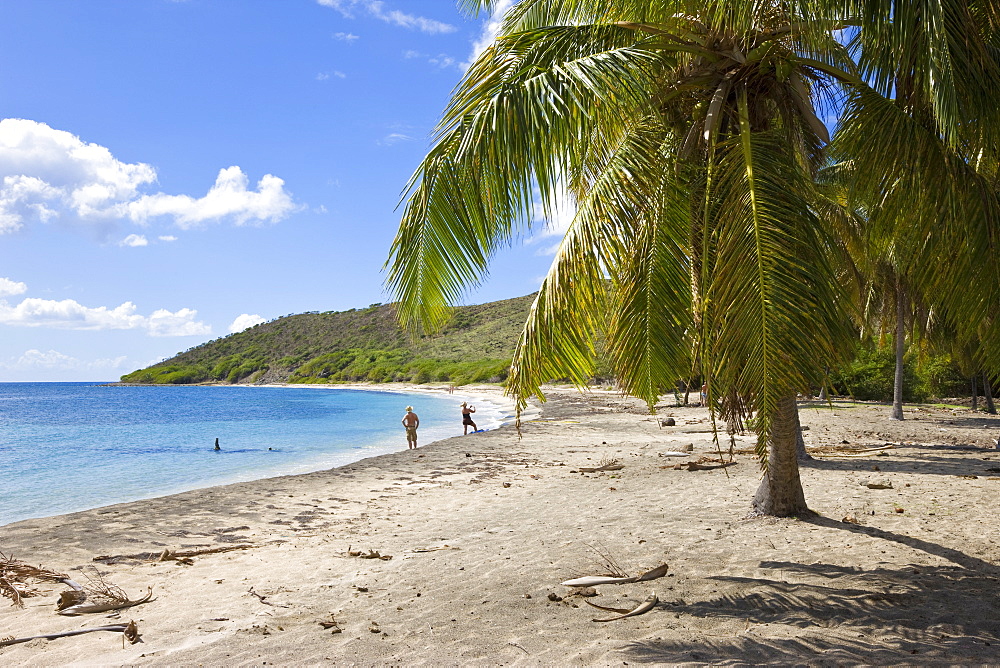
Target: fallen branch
(594, 580)
(434, 549)
(598, 469)
(640, 609)
(699, 466)
(129, 631)
(82, 608)
(373, 554)
(263, 600)
(860, 453)
(182, 556)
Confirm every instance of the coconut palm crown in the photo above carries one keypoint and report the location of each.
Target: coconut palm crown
(688, 136)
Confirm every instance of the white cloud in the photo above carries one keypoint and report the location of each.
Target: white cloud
(393, 138)
(47, 170)
(180, 323)
(490, 31)
(442, 60)
(345, 37)
(47, 173)
(167, 238)
(245, 321)
(70, 314)
(9, 287)
(228, 198)
(54, 360)
(378, 10)
(324, 76)
(562, 210)
(134, 241)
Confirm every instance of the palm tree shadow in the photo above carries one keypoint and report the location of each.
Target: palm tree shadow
(888, 614)
(924, 464)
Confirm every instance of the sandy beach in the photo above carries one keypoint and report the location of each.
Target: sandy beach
(900, 564)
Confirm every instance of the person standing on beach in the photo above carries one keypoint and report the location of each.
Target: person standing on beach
(410, 422)
(467, 412)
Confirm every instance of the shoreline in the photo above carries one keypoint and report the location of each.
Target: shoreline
(497, 411)
(482, 529)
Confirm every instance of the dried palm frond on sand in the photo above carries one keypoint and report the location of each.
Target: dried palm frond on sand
(98, 595)
(16, 578)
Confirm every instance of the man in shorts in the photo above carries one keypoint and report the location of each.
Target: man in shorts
(411, 422)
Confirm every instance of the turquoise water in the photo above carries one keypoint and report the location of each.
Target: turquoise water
(72, 446)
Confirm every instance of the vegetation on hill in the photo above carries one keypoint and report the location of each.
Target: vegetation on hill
(357, 345)
(476, 346)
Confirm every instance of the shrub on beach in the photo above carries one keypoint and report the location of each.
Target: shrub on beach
(870, 376)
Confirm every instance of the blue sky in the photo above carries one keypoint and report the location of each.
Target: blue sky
(174, 169)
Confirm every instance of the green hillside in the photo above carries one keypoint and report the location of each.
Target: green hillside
(356, 345)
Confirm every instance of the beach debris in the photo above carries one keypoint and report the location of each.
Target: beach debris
(98, 595)
(846, 453)
(595, 580)
(84, 607)
(850, 519)
(606, 464)
(181, 556)
(703, 464)
(674, 453)
(878, 484)
(129, 632)
(640, 609)
(669, 422)
(435, 549)
(263, 599)
(371, 554)
(332, 624)
(16, 579)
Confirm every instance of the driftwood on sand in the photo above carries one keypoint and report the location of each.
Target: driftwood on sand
(595, 580)
(98, 595)
(129, 631)
(640, 609)
(371, 554)
(846, 454)
(181, 556)
(703, 464)
(598, 469)
(83, 607)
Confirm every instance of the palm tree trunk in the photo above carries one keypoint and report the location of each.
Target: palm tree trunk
(988, 393)
(800, 444)
(780, 492)
(975, 394)
(897, 388)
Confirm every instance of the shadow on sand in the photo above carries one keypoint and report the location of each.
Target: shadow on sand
(886, 614)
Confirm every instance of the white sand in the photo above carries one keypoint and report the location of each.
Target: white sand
(916, 586)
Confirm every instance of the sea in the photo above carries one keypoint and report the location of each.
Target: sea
(66, 447)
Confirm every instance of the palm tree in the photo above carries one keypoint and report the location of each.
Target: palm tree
(688, 136)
